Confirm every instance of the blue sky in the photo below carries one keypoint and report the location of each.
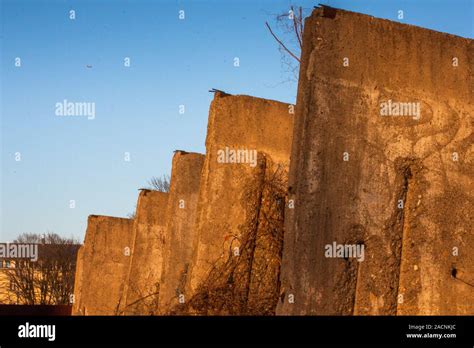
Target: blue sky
(173, 62)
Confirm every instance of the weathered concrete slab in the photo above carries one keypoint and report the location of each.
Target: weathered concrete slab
(78, 280)
(180, 232)
(100, 286)
(399, 185)
(149, 230)
(244, 135)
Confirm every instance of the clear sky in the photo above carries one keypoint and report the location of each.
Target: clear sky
(172, 62)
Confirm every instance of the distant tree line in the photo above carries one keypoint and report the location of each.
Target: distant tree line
(48, 280)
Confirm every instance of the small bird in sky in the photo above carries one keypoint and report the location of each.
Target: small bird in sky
(89, 66)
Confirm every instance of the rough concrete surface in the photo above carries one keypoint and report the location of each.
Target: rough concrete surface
(180, 232)
(104, 266)
(144, 274)
(391, 183)
(230, 192)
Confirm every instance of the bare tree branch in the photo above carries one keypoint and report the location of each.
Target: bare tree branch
(301, 24)
(160, 184)
(281, 43)
(295, 26)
